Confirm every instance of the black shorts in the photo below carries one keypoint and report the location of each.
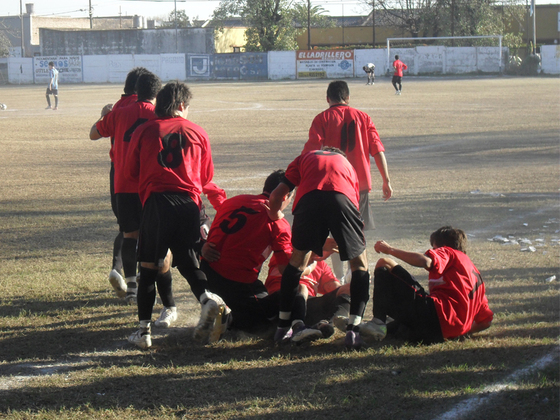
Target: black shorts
(253, 309)
(129, 211)
(397, 79)
(365, 211)
(52, 91)
(169, 221)
(323, 307)
(320, 212)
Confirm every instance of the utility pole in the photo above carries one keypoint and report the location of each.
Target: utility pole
(21, 20)
(90, 16)
(373, 20)
(308, 24)
(176, 31)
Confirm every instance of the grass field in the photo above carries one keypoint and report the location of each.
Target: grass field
(481, 154)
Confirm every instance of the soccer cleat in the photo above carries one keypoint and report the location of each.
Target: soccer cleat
(208, 313)
(353, 341)
(221, 324)
(397, 93)
(340, 322)
(118, 283)
(374, 328)
(302, 334)
(326, 328)
(49, 107)
(283, 335)
(142, 338)
(55, 108)
(166, 317)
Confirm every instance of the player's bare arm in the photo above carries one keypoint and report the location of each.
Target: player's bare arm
(278, 200)
(383, 169)
(413, 258)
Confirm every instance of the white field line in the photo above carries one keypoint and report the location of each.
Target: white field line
(468, 406)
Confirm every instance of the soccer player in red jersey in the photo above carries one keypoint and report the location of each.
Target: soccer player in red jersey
(327, 200)
(128, 97)
(241, 238)
(456, 303)
(353, 132)
(399, 66)
(120, 124)
(170, 159)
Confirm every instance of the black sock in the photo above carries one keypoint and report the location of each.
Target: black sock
(117, 252)
(165, 288)
(146, 293)
(359, 292)
(129, 257)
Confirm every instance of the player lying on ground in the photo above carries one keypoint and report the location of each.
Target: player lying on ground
(456, 303)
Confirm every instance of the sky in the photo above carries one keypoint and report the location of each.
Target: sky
(193, 8)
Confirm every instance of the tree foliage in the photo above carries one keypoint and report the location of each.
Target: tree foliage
(272, 25)
(317, 19)
(434, 18)
(183, 20)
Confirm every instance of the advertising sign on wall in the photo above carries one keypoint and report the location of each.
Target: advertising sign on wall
(331, 64)
(69, 69)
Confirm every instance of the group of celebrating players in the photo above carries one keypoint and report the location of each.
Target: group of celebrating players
(162, 164)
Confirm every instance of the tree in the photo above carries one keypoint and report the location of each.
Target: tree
(182, 20)
(269, 22)
(317, 19)
(5, 45)
(433, 18)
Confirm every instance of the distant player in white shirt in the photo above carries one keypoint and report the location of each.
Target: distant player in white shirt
(369, 68)
(53, 87)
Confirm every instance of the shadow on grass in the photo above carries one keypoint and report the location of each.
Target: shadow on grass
(335, 385)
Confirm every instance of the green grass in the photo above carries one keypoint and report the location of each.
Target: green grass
(465, 152)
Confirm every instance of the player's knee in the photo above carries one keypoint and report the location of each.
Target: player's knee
(387, 263)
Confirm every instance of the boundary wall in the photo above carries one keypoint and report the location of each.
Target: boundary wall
(275, 65)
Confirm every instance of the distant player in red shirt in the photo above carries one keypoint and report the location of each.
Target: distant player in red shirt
(353, 132)
(241, 238)
(170, 159)
(129, 97)
(120, 124)
(399, 66)
(326, 201)
(456, 303)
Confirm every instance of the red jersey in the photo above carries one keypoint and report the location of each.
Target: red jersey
(315, 282)
(215, 194)
(351, 131)
(399, 66)
(170, 155)
(245, 236)
(120, 123)
(125, 100)
(325, 171)
(458, 291)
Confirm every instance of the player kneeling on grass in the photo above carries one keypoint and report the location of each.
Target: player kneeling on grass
(170, 157)
(455, 305)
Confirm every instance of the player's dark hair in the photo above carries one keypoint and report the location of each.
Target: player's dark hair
(51, 63)
(451, 237)
(273, 180)
(132, 78)
(147, 86)
(170, 97)
(396, 57)
(338, 91)
(333, 150)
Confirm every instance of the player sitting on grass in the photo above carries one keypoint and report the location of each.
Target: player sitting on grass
(455, 305)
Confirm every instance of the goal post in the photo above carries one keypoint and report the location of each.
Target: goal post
(498, 37)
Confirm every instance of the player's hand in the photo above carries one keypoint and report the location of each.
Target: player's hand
(106, 109)
(387, 191)
(330, 247)
(209, 252)
(382, 247)
(273, 215)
